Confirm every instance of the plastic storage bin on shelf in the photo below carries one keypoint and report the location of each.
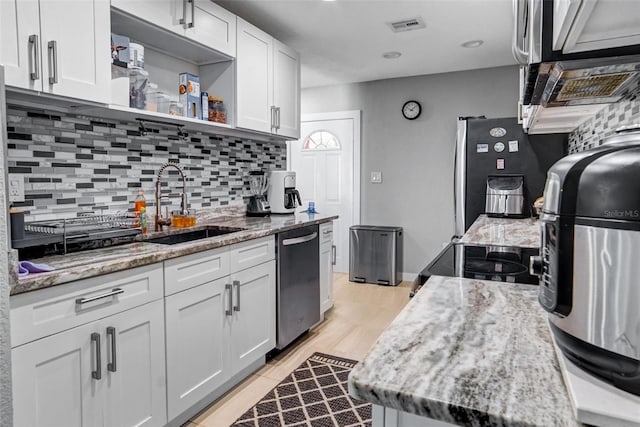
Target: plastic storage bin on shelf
(375, 254)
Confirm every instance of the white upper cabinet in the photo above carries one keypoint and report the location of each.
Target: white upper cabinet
(200, 21)
(268, 83)
(286, 90)
(254, 68)
(58, 47)
(584, 25)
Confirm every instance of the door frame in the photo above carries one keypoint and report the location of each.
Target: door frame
(355, 166)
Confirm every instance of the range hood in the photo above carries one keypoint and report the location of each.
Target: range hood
(582, 82)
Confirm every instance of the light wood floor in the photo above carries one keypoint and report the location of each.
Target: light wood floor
(359, 315)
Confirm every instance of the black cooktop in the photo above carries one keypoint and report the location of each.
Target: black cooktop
(498, 263)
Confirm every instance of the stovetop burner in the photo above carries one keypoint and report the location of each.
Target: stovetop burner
(484, 262)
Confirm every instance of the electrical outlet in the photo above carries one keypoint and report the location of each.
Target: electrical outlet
(16, 188)
(376, 177)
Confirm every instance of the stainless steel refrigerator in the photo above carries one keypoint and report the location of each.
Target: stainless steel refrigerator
(487, 147)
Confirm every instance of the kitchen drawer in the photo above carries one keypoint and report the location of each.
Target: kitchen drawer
(326, 232)
(48, 311)
(193, 270)
(252, 252)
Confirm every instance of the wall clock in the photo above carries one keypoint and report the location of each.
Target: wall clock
(411, 110)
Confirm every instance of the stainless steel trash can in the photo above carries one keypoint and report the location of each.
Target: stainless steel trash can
(375, 254)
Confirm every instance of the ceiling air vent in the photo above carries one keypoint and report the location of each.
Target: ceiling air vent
(407, 25)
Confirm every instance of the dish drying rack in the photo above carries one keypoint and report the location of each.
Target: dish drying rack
(85, 228)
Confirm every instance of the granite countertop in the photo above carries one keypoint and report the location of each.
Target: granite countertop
(81, 265)
(524, 232)
(469, 352)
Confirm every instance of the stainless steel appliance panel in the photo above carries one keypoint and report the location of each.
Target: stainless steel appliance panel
(298, 283)
(605, 308)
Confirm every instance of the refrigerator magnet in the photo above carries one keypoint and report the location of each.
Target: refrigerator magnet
(513, 146)
(482, 148)
(499, 163)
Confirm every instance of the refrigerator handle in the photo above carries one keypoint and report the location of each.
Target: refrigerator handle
(459, 178)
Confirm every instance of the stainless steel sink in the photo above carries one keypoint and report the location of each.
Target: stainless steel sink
(188, 236)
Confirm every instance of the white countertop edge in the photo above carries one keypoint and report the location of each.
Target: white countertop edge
(594, 401)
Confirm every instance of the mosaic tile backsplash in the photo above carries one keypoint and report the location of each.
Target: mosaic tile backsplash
(591, 133)
(73, 163)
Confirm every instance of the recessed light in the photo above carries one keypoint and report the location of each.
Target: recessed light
(391, 55)
(472, 43)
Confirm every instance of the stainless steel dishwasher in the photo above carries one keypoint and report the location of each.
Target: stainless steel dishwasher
(298, 278)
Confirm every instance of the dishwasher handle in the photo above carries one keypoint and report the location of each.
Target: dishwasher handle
(298, 240)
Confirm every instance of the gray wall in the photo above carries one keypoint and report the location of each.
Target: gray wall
(415, 157)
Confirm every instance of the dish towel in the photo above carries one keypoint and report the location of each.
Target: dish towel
(26, 267)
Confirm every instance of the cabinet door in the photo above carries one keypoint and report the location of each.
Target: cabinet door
(254, 68)
(253, 328)
(326, 276)
(603, 24)
(135, 367)
(212, 26)
(53, 383)
(19, 47)
(197, 340)
(75, 43)
(163, 13)
(286, 89)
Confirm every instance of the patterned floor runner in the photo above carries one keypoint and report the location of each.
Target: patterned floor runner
(314, 394)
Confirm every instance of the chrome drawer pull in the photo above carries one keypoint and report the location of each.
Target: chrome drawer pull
(114, 292)
(236, 283)
(229, 310)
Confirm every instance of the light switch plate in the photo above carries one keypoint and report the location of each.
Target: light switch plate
(16, 187)
(376, 177)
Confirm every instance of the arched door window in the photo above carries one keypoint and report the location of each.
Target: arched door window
(321, 140)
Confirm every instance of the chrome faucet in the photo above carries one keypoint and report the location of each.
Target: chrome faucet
(160, 221)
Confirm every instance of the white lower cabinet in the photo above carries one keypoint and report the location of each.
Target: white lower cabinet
(326, 266)
(253, 323)
(387, 417)
(197, 341)
(110, 372)
(218, 326)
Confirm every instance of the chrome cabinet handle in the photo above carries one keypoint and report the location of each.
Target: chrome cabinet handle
(114, 292)
(333, 254)
(236, 307)
(326, 232)
(520, 55)
(193, 14)
(297, 240)
(111, 365)
(34, 46)
(273, 117)
(278, 115)
(229, 310)
(97, 374)
(183, 20)
(52, 48)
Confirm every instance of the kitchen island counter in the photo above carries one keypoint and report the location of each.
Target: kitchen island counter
(524, 233)
(468, 352)
(90, 263)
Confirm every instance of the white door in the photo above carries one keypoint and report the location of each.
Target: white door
(327, 164)
(286, 89)
(135, 368)
(253, 327)
(53, 382)
(75, 47)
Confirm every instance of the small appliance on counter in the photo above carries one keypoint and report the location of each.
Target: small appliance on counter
(258, 204)
(282, 194)
(589, 266)
(505, 195)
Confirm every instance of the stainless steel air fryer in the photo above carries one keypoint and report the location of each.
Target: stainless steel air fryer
(589, 265)
(505, 195)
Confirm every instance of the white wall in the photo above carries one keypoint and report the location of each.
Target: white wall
(415, 157)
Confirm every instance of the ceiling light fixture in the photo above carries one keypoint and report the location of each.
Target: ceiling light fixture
(391, 55)
(472, 43)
